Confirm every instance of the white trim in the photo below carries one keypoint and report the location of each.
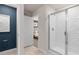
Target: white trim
(20, 28)
(8, 51)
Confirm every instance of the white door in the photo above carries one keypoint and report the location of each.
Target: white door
(57, 29)
(28, 31)
(73, 30)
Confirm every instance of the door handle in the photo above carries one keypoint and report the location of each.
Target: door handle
(5, 40)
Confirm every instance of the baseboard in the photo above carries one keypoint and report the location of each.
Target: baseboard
(8, 51)
(44, 51)
(27, 46)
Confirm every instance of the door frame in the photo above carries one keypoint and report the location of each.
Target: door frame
(19, 20)
(66, 36)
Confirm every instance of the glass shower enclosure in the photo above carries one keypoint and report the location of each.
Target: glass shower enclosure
(64, 31)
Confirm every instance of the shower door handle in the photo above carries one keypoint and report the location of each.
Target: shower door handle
(65, 33)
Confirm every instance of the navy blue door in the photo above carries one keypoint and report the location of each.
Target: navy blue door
(8, 39)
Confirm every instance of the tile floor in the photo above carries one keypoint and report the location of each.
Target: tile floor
(30, 51)
(35, 51)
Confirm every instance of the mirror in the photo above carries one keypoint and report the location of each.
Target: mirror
(4, 23)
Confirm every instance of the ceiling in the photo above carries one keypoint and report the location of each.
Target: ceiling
(58, 6)
(32, 7)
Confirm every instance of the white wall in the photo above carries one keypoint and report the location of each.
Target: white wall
(28, 31)
(43, 12)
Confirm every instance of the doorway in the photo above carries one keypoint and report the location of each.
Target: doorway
(64, 31)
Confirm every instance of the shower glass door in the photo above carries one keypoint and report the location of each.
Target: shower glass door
(73, 30)
(57, 30)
